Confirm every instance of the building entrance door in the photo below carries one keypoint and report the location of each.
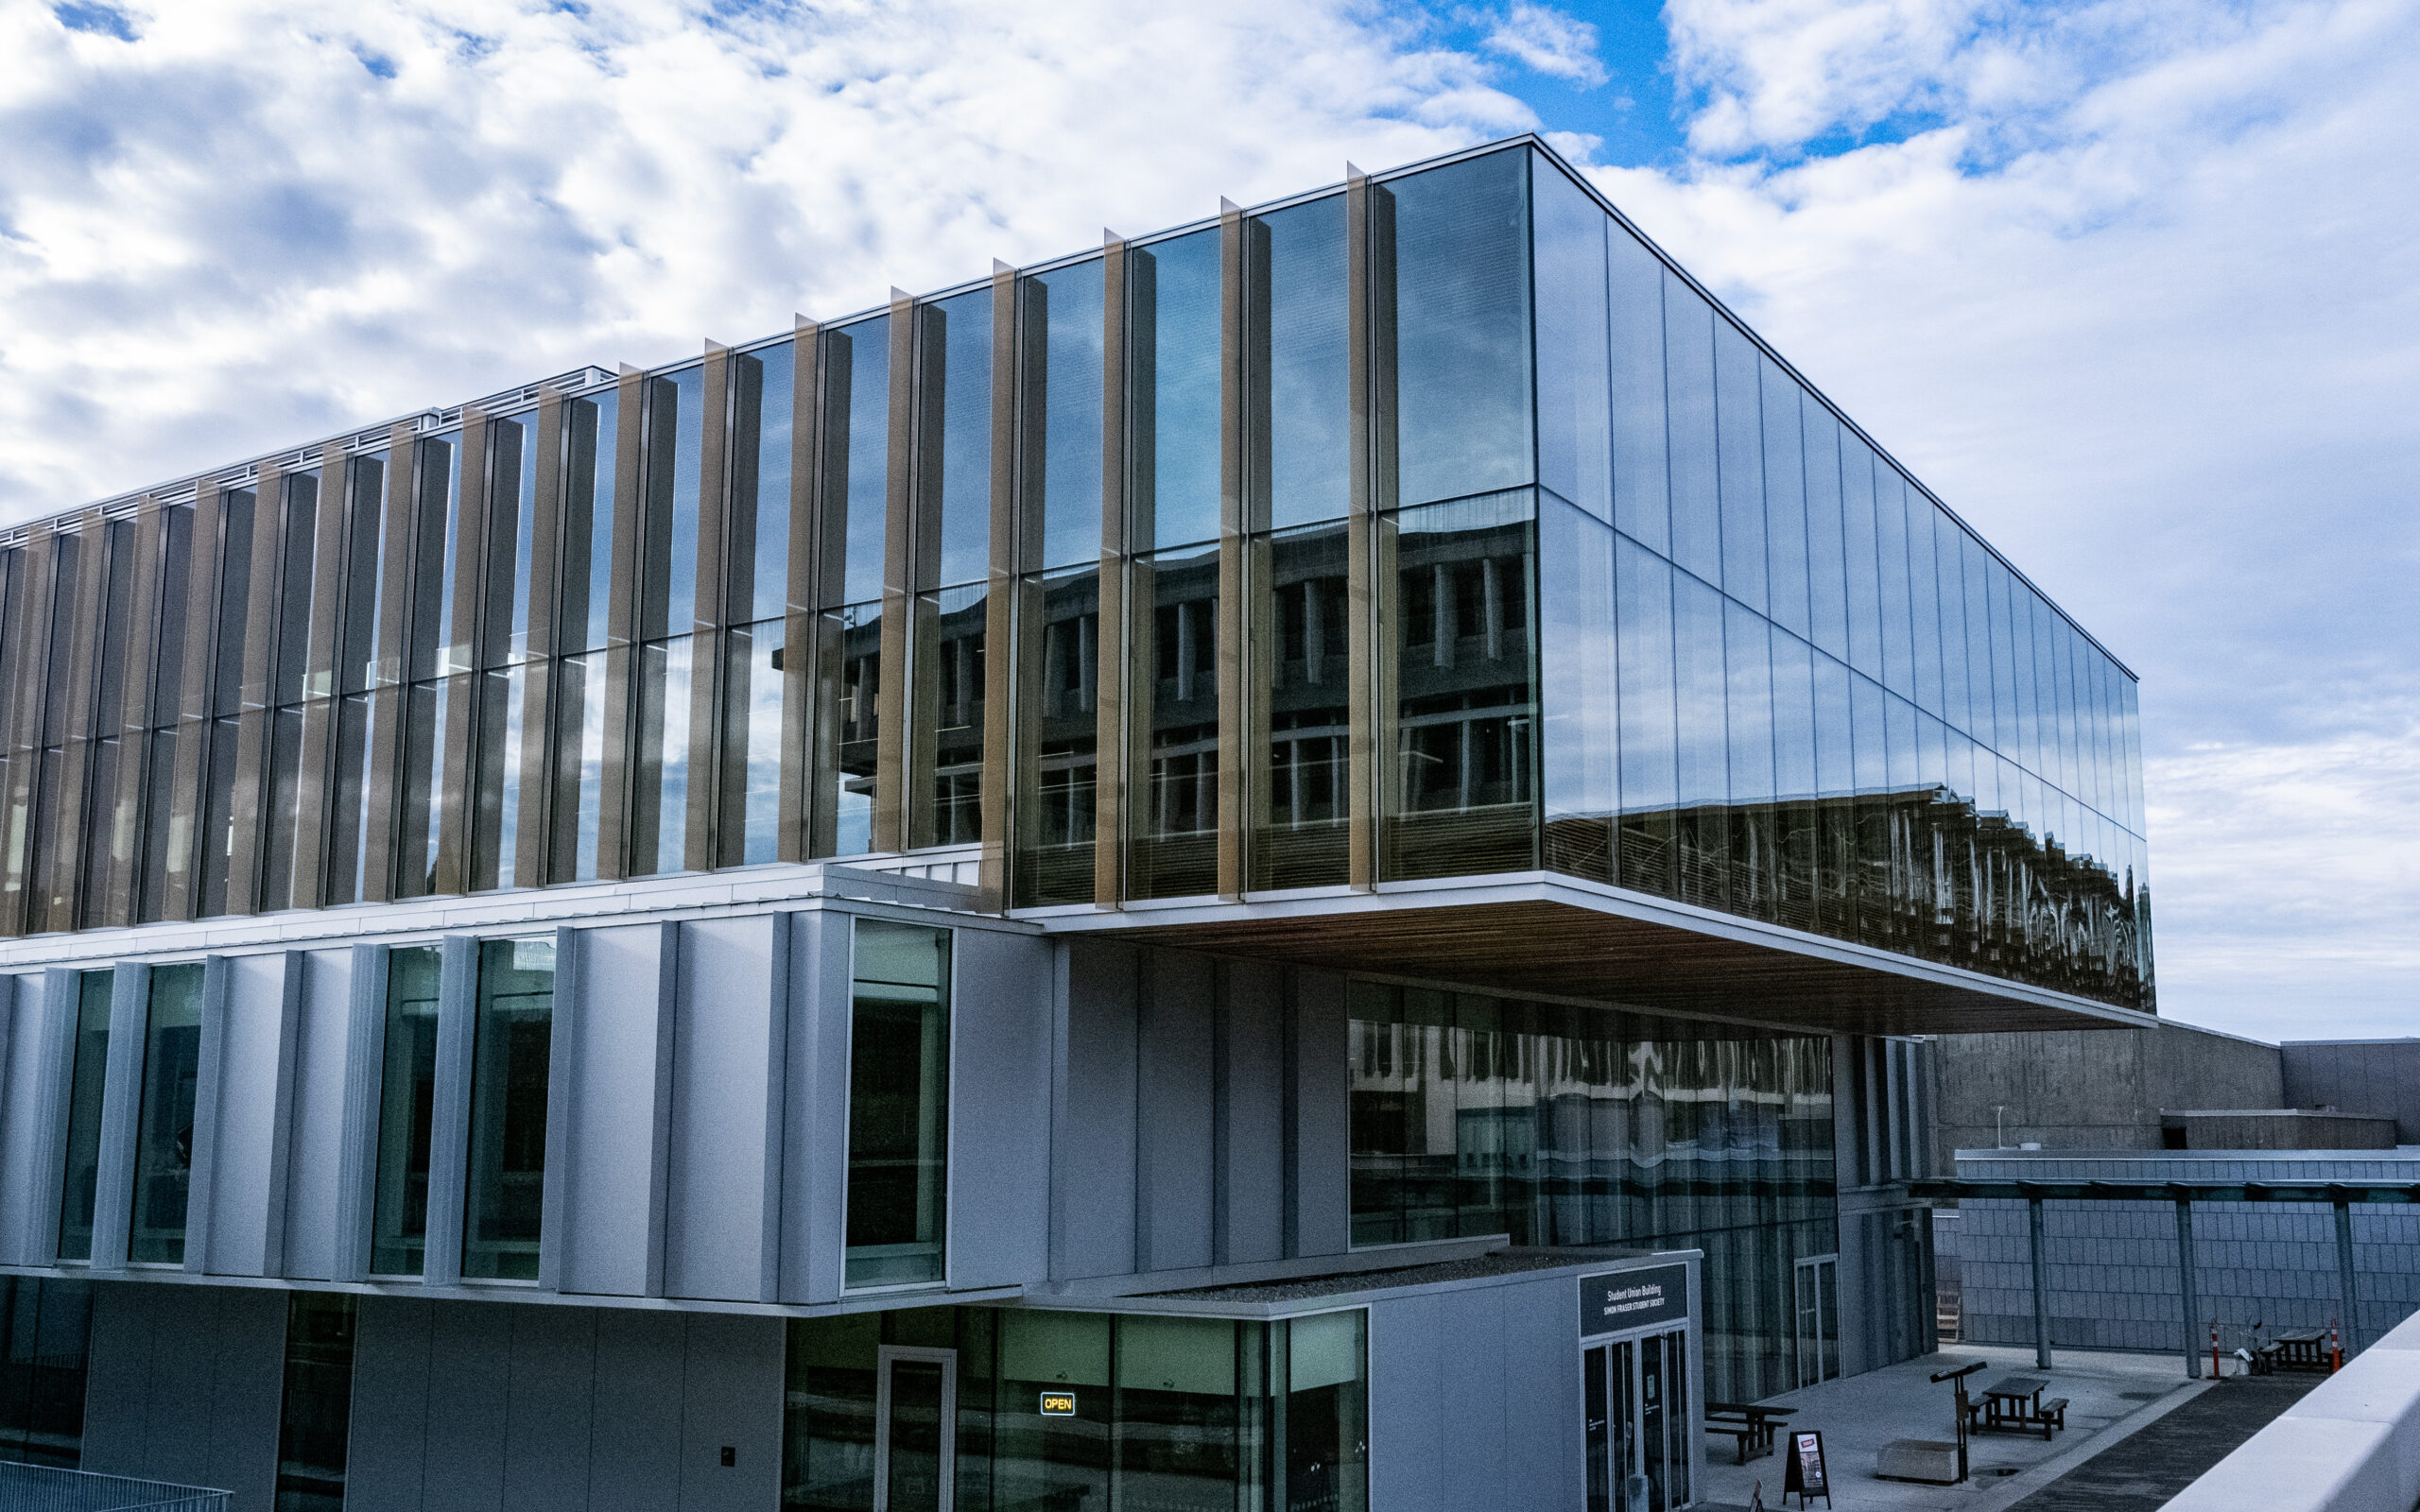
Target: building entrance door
(1818, 1285)
(1636, 1395)
(915, 1412)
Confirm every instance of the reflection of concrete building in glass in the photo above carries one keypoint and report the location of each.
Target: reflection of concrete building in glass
(1065, 862)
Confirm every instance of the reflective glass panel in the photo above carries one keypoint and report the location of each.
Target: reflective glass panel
(676, 427)
(1459, 238)
(587, 581)
(495, 823)
(1172, 352)
(1062, 411)
(1058, 737)
(660, 759)
(406, 1113)
(954, 468)
(1301, 668)
(1174, 847)
(293, 654)
(314, 1417)
(852, 653)
(856, 378)
(365, 535)
(1690, 404)
(88, 1072)
(579, 770)
(898, 1110)
(512, 522)
(508, 1061)
(1575, 403)
(1297, 392)
(949, 632)
(164, 1130)
(751, 743)
(757, 528)
(1576, 647)
(432, 648)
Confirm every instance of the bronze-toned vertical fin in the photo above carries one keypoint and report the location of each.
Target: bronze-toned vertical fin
(314, 792)
(64, 867)
(898, 584)
(458, 660)
(999, 607)
(131, 720)
(203, 568)
(700, 846)
(1109, 739)
(539, 728)
(799, 713)
(387, 705)
(1232, 757)
(621, 623)
(1361, 865)
(1372, 635)
(22, 873)
(257, 717)
(922, 735)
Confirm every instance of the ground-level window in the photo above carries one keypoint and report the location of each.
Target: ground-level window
(316, 1419)
(898, 1104)
(991, 1409)
(45, 1330)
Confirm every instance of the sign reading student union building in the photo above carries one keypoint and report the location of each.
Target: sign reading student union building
(1618, 1300)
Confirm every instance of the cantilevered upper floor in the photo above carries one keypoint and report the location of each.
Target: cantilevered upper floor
(1431, 528)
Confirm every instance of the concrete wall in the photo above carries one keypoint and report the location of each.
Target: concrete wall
(2090, 1089)
(2277, 1129)
(2377, 1077)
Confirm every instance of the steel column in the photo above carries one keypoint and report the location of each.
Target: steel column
(2041, 1294)
(1109, 765)
(2344, 1273)
(2185, 1287)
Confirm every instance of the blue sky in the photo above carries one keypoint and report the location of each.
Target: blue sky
(2132, 284)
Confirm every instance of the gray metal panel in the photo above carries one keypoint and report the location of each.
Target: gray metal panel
(247, 1371)
(1093, 1112)
(184, 1386)
(721, 1207)
(1408, 1429)
(389, 1444)
(999, 1184)
(449, 1138)
(21, 1054)
(731, 1396)
(1543, 1444)
(364, 1049)
(470, 1369)
(1176, 1078)
(613, 1179)
(117, 1381)
(242, 1208)
(634, 1461)
(56, 1068)
(209, 1107)
(548, 1411)
(1252, 1168)
(320, 1144)
(1321, 1178)
(813, 1190)
(121, 1106)
(1470, 1346)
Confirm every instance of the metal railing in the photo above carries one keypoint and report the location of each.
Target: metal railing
(42, 1488)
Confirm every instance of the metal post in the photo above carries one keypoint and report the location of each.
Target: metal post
(2185, 1279)
(2344, 1270)
(2041, 1295)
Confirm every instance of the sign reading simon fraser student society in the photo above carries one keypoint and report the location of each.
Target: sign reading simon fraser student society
(1618, 1300)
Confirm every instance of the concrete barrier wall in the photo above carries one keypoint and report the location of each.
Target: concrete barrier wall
(2353, 1444)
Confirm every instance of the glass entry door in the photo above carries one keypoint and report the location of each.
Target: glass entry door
(915, 1410)
(1817, 1286)
(1636, 1396)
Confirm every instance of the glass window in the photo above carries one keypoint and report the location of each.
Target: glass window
(436, 521)
(1689, 409)
(495, 828)
(852, 692)
(176, 589)
(1462, 792)
(235, 600)
(508, 1061)
(751, 743)
(1174, 850)
(45, 1339)
(281, 821)
(163, 1133)
(950, 629)
(1575, 403)
(1299, 397)
(898, 1104)
(1326, 1403)
(1577, 649)
(1301, 668)
(512, 522)
(406, 1113)
(1924, 591)
(1634, 309)
(660, 759)
(1891, 554)
(1827, 591)
(293, 655)
(422, 791)
(315, 1415)
(84, 1089)
(579, 772)
(164, 822)
(757, 534)
(349, 816)
(1786, 542)
(856, 378)
(1749, 709)
(1865, 599)
(587, 582)
(954, 463)
(1172, 354)
(1650, 737)
(215, 846)
(1740, 431)
(676, 427)
(1460, 298)
(1794, 784)
(358, 668)
(1061, 320)
(1058, 736)
(1702, 824)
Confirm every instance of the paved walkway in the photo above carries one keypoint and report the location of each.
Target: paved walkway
(2141, 1471)
(2109, 1397)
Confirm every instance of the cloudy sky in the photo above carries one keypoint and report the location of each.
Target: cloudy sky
(2135, 285)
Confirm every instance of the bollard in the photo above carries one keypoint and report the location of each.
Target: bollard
(2335, 1349)
(2216, 1373)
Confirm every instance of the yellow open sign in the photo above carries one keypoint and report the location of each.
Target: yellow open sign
(1058, 1404)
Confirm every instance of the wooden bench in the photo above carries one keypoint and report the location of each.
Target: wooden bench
(1751, 1427)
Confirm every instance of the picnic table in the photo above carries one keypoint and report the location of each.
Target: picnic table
(2307, 1351)
(2014, 1404)
(1751, 1424)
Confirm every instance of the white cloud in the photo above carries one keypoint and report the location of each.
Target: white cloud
(1549, 42)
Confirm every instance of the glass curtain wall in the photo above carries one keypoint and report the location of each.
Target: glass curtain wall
(1173, 477)
(898, 1105)
(585, 595)
(1557, 1125)
(677, 426)
(156, 725)
(88, 1073)
(288, 685)
(365, 691)
(406, 1113)
(315, 1418)
(1783, 683)
(1057, 620)
(513, 513)
(45, 1341)
(434, 659)
(856, 483)
(46, 759)
(756, 536)
(15, 586)
(1155, 1414)
(511, 1038)
(108, 832)
(951, 565)
(164, 1130)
